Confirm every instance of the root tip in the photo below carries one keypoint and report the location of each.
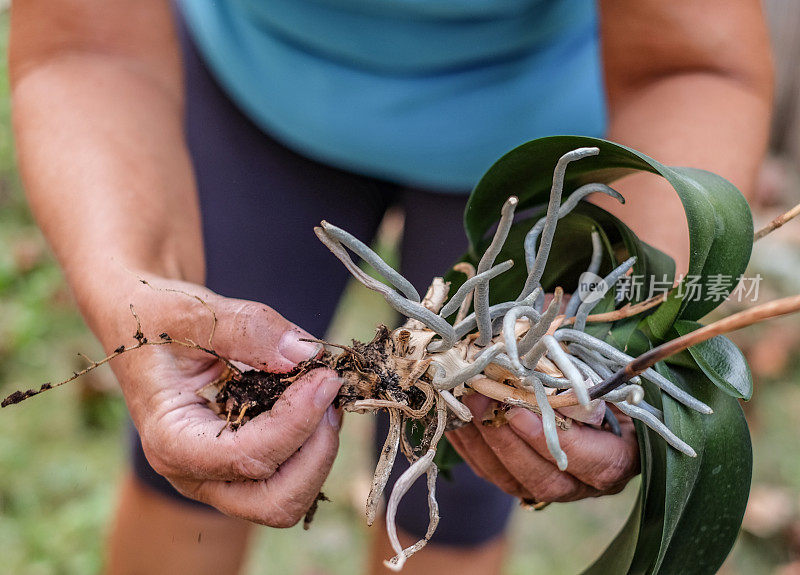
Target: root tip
(396, 567)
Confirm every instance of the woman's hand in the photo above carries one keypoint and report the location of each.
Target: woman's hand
(515, 456)
(258, 472)
(124, 198)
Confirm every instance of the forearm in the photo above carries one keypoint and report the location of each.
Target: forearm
(701, 120)
(105, 167)
(690, 84)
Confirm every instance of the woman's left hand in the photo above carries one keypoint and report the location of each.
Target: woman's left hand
(516, 459)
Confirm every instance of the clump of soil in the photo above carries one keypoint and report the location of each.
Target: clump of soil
(313, 510)
(367, 369)
(246, 394)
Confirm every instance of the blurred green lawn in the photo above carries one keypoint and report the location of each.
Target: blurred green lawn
(62, 453)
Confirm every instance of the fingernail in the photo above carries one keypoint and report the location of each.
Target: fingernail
(333, 418)
(327, 391)
(524, 422)
(295, 350)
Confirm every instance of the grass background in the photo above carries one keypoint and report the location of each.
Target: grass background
(62, 453)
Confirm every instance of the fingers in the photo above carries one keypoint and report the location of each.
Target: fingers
(259, 336)
(184, 442)
(283, 499)
(596, 457)
(537, 476)
(470, 446)
(541, 478)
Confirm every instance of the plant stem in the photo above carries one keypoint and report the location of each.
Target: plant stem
(777, 222)
(736, 321)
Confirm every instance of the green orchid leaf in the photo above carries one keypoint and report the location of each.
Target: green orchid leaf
(625, 336)
(689, 510)
(721, 361)
(682, 359)
(720, 224)
(638, 542)
(706, 496)
(619, 555)
(658, 324)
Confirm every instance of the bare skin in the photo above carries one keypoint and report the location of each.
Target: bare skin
(604, 463)
(101, 79)
(690, 84)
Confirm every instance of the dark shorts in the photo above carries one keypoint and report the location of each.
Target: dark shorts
(260, 202)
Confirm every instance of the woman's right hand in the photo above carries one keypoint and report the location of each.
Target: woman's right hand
(258, 472)
(98, 109)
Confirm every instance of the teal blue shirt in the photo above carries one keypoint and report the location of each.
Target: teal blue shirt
(421, 92)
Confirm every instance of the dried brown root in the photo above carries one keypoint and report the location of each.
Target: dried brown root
(362, 405)
(202, 302)
(385, 464)
(626, 311)
(312, 511)
(141, 341)
(777, 222)
(406, 445)
(502, 393)
(759, 313)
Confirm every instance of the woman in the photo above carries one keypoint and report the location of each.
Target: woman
(199, 147)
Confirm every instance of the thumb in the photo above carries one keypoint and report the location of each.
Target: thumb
(241, 330)
(257, 335)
